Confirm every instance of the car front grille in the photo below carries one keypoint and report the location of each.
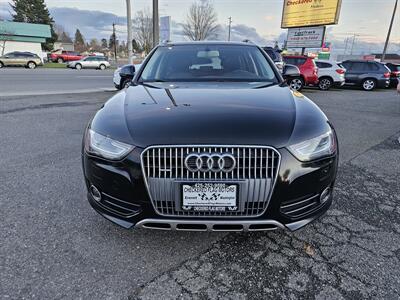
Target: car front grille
(255, 173)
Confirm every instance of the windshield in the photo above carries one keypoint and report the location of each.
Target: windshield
(199, 63)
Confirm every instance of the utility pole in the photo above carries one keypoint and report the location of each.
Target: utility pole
(115, 44)
(130, 38)
(345, 45)
(230, 27)
(156, 24)
(352, 44)
(389, 32)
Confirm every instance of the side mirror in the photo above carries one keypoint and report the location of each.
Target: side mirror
(290, 71)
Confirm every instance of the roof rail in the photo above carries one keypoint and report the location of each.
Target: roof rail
(248, 41)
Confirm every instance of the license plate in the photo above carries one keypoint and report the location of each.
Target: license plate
(209, 197)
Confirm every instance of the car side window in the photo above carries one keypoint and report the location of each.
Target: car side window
(373, 67)
(347, 65)
(290, 61)
(300, 61)
(359, 66)
(323, 65)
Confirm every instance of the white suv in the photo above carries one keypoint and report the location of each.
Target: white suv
(330, 74)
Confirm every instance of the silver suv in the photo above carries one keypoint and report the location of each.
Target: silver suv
(90, 62)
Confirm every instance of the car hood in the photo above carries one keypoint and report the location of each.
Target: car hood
(216, 114)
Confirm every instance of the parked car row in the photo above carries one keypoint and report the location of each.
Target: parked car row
(31, 61)
(326, 74)
(20, 59)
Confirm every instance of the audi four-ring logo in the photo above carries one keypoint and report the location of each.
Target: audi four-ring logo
(205, 162)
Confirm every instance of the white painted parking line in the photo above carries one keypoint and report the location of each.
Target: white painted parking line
(58, 92)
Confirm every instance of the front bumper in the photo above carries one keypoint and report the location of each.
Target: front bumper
(294, 203)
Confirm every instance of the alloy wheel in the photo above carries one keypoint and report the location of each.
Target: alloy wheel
(325, 84)
(369, 85)
(296, 84)
(31, 65)
(102, 67)
(78, 66)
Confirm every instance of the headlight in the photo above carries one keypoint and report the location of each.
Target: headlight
(323, 145)
(103, 146)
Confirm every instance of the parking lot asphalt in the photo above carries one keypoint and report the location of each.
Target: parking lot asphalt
(54, 246)
(41, 81)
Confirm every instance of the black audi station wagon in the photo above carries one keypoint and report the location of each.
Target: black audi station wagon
(210, 138)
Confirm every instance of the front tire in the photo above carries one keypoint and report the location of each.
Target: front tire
(296, 84)
(368, 84)
(60, 60)
(31, 65)
(1, 65)
(78, 66)
(126, 84)
(325, 83)
(102, 67)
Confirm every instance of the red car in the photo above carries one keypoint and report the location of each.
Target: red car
(65, 56)
(308, 71)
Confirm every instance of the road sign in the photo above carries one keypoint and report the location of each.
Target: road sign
(301, 13)
(306, 37)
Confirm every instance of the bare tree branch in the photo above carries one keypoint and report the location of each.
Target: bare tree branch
(201, 21)
(143, 29)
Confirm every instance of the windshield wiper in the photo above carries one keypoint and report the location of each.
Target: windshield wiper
(148, 84)
(264, 85)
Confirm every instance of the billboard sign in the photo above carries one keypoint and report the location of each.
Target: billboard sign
(306, 37)
(302, 13)
(165, 28)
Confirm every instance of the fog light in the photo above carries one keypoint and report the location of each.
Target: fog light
(95, 193)
(325, 195)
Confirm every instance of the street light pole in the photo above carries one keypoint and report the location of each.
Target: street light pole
(129, 22)
(389, 32)
(156, 24)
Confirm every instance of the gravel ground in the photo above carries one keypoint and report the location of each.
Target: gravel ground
(54, 246)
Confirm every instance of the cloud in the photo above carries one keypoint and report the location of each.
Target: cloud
(92, 24)
(269, 18)
(5, 13)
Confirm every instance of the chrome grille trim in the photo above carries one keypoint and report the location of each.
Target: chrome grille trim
(256, 174)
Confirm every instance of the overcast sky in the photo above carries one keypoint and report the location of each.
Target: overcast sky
(369, 19)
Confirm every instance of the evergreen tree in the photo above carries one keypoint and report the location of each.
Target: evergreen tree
(79, 41)
(104, 43)
(65, 38)
(34, 11)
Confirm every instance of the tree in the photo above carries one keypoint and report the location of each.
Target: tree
(104, 43)
(65, 37)
(79, 42)
(94, 45)
(136, 46)
(34, 11)
(201, 21)
(112, 42)
(143, 30)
